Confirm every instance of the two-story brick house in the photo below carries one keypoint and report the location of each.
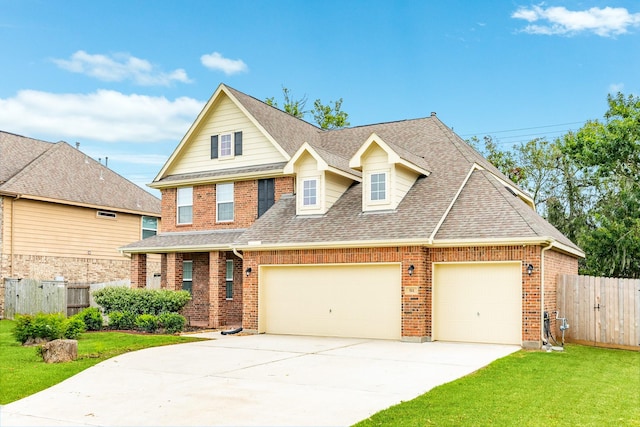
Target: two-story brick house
(396, 230)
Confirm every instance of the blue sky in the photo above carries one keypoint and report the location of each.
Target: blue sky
(127, 78)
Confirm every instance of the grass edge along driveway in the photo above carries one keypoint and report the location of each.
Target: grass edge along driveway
(23, 373)
(582, 386)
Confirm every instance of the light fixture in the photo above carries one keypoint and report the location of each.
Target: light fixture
(529, 269)
(248, 271)
(410, 269)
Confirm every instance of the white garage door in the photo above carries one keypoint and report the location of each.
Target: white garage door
(478, 302)
(344, 300)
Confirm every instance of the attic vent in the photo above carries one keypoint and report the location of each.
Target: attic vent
(106, 214)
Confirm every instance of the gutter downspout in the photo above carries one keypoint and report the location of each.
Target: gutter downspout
(542, 289)
(236, 253)
(13, 222)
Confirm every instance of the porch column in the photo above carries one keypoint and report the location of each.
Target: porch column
(217, 275)
(173, 276)
(138, 270)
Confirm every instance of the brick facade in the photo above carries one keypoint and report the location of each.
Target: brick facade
(204, 205)
(555, 264)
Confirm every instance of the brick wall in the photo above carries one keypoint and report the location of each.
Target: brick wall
(415, 318)
(204, 205)
(555, 263)
(417, 309)
(531, 327)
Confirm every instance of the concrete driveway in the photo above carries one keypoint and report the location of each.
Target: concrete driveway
(258, 380)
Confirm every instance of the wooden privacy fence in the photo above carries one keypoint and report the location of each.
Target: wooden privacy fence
(27, 296)
(601, 311)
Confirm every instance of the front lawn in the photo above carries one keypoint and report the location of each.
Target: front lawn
(583, 386)
(22, 371)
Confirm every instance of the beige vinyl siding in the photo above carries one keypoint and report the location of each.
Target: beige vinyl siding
(5, 224)
(225, 117)
(402, 180)
(307, 168)
(335, 186)
(49, 229)
(375, 160)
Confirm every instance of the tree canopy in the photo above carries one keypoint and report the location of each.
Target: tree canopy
(326, 116)
(587, 184)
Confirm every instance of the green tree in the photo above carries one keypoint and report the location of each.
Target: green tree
(505, 161)
(611, 150)
(329, 116)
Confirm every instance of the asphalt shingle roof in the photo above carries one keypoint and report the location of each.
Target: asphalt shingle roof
(60, 172)
(484, 209)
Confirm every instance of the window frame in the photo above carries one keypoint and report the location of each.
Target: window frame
(143, 228)
(229, 279)
(371, 190)
(316, 196)
(221, 145)
(220, 202)
(187, 281)
(184, 205)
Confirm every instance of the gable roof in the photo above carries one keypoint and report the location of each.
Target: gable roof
(459, 197)
(59, 173)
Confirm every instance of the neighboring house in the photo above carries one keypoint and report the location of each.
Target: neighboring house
(395, 230)
(63, 214)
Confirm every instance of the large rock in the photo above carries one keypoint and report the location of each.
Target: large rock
(57, 351)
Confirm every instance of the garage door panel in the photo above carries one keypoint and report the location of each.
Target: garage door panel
(478, 302)
(347, 300)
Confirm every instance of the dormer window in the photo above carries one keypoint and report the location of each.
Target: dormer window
(310, 192)
(378, 191)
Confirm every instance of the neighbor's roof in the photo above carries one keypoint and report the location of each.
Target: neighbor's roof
(60, 173)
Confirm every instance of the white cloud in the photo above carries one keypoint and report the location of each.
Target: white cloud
(120, 67)
(616, 87)
(104, 115)
(216, 61)
(605, 22)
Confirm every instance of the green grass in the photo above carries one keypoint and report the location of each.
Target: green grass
(582, 386)
(22, 371)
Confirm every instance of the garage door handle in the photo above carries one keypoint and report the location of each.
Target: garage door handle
(478, 314)
(329, 310)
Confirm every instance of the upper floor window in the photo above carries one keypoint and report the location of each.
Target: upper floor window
(378, 190)
(226, 145)
(185, 205)
(310, 192)
(224, 202)
(149, 226)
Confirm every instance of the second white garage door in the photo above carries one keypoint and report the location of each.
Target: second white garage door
(340, 300)
(478, 302)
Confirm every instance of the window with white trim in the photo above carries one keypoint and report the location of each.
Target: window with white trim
(187, 276)
(310, 192)
(229, 279)
(226, 145)
(378, 186)
(149, 226)
(185, 205)
(224, 202)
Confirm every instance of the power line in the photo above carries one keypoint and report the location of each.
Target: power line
(521, 129)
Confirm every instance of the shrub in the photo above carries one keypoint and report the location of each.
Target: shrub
(172, 322)
(47, 327)
(73, 327)
(121, 320)
(92, 318)
(141, 301)
(147, 323)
